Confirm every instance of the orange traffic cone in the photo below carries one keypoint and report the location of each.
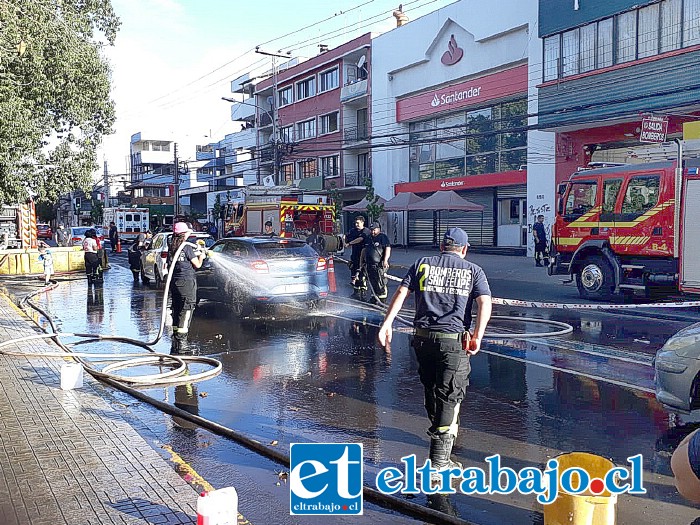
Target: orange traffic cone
(331, 276)
(119, 246)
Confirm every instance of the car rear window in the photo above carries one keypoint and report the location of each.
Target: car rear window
(80, 231)
(275, 250)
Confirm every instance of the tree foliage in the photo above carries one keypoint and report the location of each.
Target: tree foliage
(374, 209)
(55, 101)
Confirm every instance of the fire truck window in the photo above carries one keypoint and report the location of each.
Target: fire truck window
(611, 188)
(581, 198)
(642, 195)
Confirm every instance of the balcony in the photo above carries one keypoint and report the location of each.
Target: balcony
(355, 134)
(352, 91)
(264, 120)
(355, 178)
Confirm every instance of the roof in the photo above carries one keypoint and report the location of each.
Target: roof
(261, 239)
(624, 169)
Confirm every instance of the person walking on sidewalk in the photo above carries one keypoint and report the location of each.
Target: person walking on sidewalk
(377, 253)
(113, 236)
(540, 236)
(183, 288)
(357, 238)
(445, 288)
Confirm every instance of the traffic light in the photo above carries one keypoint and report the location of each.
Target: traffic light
(77, 203)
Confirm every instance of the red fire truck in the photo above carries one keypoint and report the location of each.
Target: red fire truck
(631, 228)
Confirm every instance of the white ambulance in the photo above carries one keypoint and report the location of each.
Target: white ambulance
(129, 221)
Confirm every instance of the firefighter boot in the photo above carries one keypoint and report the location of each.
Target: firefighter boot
(184, 326)
(440, 451)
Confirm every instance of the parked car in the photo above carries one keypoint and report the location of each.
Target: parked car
(255, 271)
(155, 255)
(44, 231)
(677, 370)
(77, 235)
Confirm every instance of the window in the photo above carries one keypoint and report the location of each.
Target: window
(306, 88)
(626, 36)
(670, 25)
(691, 22)
(287, 134)
(642, 194)
(306, 129)
(329, 123)
(328, 80)
(648, 44)
(128, 217)
(288, 173)
(570, 53)
(306, 169)
(330, 167)
(588, 48)
(285, 96)
(551, 57)
(611, 188)
(604, 49)
(581, 198)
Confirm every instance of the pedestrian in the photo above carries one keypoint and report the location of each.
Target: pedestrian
(685, 464)
(445, 288)
(269, 230)
(183, 285)
(135, 252)
(60, 235)
(540, 236)
(47, 259)
(214, 231)
(113, 236)
(316, 241)
(92, 260)
(357, 238)
(377, 253)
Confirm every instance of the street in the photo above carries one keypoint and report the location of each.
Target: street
(295, 375)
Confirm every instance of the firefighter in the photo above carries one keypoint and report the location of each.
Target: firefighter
(540, 236)
(135, 251)
(445, 287)
(183, 284)
(377, 253)
(91, 246)
(357, 238)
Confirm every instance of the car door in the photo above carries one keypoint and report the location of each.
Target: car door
(149, 256)
(208, 278)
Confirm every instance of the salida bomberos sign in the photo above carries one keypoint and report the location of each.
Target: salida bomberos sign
(654, 130)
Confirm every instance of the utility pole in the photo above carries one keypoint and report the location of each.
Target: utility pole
(176, 180)
(275, 139)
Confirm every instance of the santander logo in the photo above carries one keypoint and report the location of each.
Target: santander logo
(436, 101)
(453, 54)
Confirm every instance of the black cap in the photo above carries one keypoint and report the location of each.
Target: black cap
(455, 237)
(374, 225)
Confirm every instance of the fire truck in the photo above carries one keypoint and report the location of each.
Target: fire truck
(291, 215)
(630, 229)
(18, 226)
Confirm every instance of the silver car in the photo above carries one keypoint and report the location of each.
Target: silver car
(677, 371)
(155, 255)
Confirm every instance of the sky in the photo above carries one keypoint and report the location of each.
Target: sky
(174, 59)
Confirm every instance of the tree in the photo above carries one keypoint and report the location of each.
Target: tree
(374, 210)
(337, 200)
(97, 211)
(55, 105)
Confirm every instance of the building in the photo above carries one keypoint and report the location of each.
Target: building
(152, 176)
(609, 64)
(313, 121)
(450, 111)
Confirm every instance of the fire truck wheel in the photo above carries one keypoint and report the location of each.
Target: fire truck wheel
(595, 278)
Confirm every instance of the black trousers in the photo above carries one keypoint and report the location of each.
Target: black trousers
(540, 251)
(377, 278)
(92, 263)
(443, 367)
(184, 298)
(357, 274)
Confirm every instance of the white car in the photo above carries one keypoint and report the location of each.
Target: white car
(77, 235)
(155, 255)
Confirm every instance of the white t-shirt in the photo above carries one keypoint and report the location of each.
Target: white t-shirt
(90, 245)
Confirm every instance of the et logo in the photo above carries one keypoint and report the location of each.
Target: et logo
(325, 478)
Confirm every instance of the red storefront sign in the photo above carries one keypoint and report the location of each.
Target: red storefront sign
(654, 130)
(487, 180)
(490, 87)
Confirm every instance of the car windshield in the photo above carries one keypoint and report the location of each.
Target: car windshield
(80, 231)
(277, 250)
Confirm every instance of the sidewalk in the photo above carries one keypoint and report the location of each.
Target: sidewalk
(66, 457)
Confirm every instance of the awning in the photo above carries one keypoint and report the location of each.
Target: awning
(445, 200)
(362, 205)
(402, 202)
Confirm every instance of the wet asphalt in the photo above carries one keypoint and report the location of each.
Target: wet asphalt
(298, 375)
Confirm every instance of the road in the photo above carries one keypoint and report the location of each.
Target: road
(314, 376)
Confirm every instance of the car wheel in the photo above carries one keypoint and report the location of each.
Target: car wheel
(317, 304)
(159, 280)
(595, 279)
(238, 301)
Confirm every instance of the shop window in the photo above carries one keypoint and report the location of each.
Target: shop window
(581, 199)
(641, 195)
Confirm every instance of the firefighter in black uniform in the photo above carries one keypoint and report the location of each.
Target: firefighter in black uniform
(357, 238)
(183, 281)
(377, 253)
(445, 288)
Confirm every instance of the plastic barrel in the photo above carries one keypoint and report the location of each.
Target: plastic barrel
(583, 509)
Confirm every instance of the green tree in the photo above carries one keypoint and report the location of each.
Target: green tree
(337, 200)
(374, 210)
(54, 95)
(97, 211)
(216, 209)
